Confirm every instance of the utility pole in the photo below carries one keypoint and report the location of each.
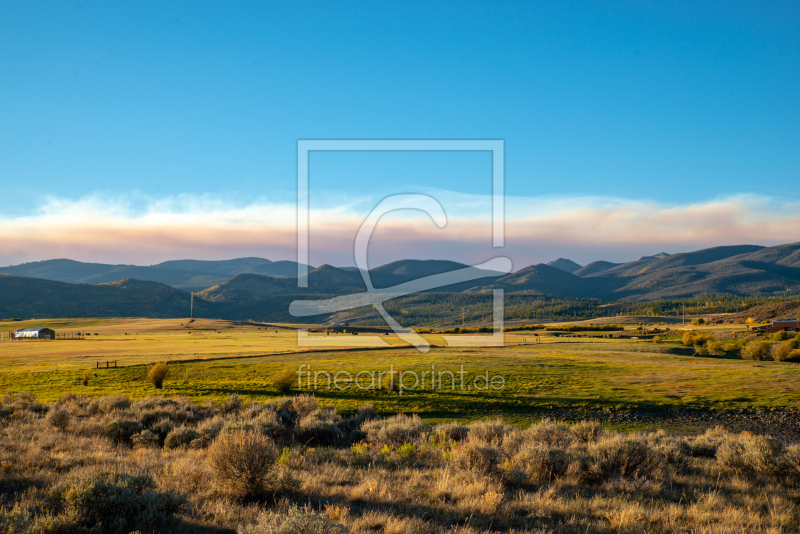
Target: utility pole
(191, 307)
(463, 316)
(684, 312)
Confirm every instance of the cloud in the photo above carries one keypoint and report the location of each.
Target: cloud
(538, 229)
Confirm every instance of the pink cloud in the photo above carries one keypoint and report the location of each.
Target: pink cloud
(537, 230)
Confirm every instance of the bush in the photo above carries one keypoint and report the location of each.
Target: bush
(699, 321)
(715, 348)
(550, 433)
(180, 437)
(121, 431)
(319, 428)
(587, 431)
(619, 456)
(58, 418)
(475, 455)
(296, 521)
(304, 405)
(691, 339)
(210, 428)
(541, 463)
(750, 454)
(395, 430)
(284, 381)
(113, 403)
(145, 438)
(489, 431)
(706, 444)
(757, 350)
(782, 352)
(791, 463)
(781, 335)
(657, 339)
(231, 405)
(114, 503)
(157, 373)
(366, 412)
(453, 431)
(242, 461)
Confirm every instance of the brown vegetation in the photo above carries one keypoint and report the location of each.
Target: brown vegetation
(289, 465)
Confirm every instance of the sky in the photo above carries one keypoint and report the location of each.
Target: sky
(138, 132)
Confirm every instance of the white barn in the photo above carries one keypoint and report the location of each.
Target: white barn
(34, 333)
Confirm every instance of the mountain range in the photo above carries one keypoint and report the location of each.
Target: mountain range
(189, 275)
(246, 287)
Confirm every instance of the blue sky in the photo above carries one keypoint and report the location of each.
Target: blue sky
(673, 102)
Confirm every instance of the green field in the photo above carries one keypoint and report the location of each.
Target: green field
(587, 373)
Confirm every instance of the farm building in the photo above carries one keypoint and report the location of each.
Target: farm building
(790, 325)
(34, 333)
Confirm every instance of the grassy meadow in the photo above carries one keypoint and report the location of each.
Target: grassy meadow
(213, 359)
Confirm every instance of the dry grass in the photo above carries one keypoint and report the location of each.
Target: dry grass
(169, 465)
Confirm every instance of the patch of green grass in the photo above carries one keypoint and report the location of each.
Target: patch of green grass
(585, 374)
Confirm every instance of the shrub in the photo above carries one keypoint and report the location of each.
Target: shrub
(145, 438)
(541, 463)
(86, 376)
(210, 428)
(114, 503)
(366, 412)
(232, 404)
(657, 339)
(489, 431)
(699, 321)
(121, 431)
(750, 454)
(695, 339)
(58, 418)
(705, 445)
(180, 437)
(550, 433)
(475, 455)
(781, 351)
(304, 405)
(296, 521)
(453, 430)
(781, 335)
(791, 463)
(284, 381)
(715, 348)
(701, 351)
(113, 403)
(157, 373)
(757, 350)
(395, 430)
(242, 461)
(587, 431)
(618, 456)
(319, 428)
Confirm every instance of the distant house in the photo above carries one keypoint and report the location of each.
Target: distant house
(790, 325)
(34, 333)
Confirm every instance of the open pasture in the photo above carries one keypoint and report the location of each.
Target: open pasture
(213, 359)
